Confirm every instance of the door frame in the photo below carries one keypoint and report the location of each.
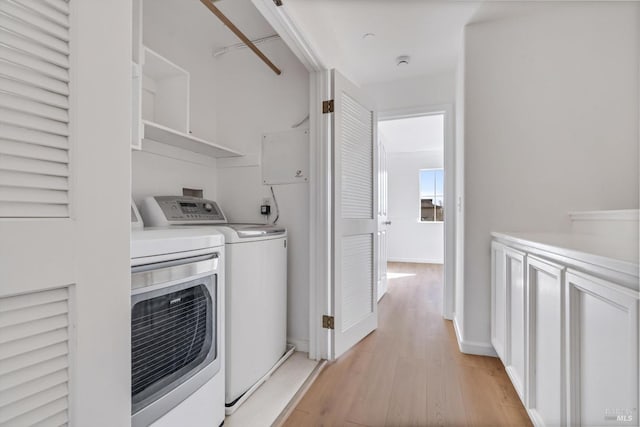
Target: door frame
(320, 206)
(448, 294)
(320, 226)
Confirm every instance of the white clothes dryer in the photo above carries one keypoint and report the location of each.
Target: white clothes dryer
(177, 328)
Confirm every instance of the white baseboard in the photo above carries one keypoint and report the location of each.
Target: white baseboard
(301, 345)
(416, 260)
(517, 385)
(535, 417)
(457, 330)
(472, 347)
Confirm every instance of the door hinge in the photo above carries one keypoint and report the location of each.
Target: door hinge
(327, 106)
(327, 322)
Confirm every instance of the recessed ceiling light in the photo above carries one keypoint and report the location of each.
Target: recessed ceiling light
(368, 36)
(402, 60)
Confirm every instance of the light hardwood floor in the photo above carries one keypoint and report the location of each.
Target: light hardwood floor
(409, 372)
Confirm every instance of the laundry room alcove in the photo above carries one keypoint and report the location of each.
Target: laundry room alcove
(203, 106)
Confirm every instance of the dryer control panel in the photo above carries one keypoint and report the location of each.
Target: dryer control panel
(159, 211)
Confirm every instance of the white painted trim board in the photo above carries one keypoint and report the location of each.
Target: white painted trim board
(472, 347)
(273, 396)
(300, 345)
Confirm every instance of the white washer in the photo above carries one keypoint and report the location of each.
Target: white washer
(256, 289)
(177, 296)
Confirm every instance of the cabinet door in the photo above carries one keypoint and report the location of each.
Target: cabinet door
(545, 367)
(602, 371)
(498, 300)
(516, 320)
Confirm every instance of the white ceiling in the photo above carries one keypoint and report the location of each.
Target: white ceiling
(413, 134)
(429, 31)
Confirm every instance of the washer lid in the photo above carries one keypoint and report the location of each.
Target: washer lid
(256, 230)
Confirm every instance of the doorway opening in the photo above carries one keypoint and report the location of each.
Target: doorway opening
(414, 208)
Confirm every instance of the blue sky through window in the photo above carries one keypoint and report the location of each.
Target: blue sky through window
(431, 183)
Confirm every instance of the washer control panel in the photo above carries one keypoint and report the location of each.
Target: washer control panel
(181, 210)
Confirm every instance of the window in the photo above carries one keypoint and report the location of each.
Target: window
(431, 195)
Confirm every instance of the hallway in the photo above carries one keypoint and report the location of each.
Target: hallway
(409, 372)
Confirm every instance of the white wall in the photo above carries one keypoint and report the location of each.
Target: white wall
(163, 170)
(436, 89)
(256, 101)
(409, 239)
(551, 126)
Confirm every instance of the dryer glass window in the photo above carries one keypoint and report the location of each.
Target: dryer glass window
(173, 335)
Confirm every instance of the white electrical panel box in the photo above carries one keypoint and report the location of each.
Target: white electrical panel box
(285, 157)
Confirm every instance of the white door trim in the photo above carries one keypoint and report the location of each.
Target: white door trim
(282, 22)
(448, 294)
(320, 172)
(320, 225)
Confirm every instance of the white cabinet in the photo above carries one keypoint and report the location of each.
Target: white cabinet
(602, 352)
(545, 331)
(566, 329)
(498, 300)
(161, 99)
(515, 310)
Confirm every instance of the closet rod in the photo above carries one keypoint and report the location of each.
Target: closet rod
(209, 4)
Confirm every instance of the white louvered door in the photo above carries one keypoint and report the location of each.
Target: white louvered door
(355, 215)
(34, 108)
(34, 358)
(36, 254)
(64, 231)
(35, 244)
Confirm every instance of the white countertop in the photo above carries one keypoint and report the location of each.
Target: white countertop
(620, 256)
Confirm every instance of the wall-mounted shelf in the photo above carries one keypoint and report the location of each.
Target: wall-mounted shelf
(165, 135)
(163, 102)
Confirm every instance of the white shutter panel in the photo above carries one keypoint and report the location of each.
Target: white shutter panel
(357, 159)
(357, 279)
(34, 348)
(34, 108)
